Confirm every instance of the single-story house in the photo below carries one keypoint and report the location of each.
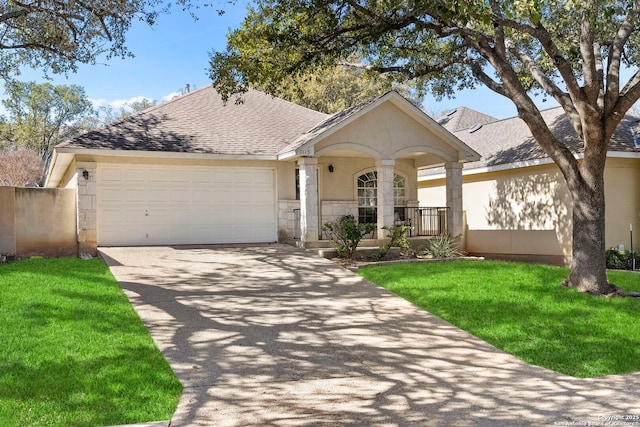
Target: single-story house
(196, 170)
(515, 199)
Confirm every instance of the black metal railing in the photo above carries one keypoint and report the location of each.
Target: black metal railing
(425, 221)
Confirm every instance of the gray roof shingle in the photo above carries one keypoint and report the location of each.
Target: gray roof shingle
(463, 118)
(509, 140)
(199, 122)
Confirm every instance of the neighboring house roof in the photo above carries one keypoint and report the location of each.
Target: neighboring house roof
(463, 118)
(200, 122)
(509, 142)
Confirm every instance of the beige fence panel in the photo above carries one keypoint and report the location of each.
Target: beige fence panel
(38, 221)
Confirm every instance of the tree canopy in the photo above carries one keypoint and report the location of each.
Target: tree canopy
(573, 51)
(57, 35)
(42, 115)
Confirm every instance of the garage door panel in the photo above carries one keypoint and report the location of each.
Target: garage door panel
(151, 205)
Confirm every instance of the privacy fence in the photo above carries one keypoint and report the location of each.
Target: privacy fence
(37, 221)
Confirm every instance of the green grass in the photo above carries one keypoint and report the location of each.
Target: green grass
(73, 351)
(521, 309)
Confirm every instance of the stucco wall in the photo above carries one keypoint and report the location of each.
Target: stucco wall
(386, 130)
(622, 196)
(43, 222)
(7, 221)
(526, 213)
(515, 214)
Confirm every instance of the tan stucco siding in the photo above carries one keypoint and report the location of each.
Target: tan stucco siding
(528, 210)
(387, 130)
(622, 198)
(516, 212)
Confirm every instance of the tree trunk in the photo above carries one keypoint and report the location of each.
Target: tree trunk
(588, 262)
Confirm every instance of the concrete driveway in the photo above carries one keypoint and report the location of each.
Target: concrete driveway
(274, 336)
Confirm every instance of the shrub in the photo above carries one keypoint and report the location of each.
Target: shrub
(444, 246)
(620, 259)
(347, 233)
(397, 234)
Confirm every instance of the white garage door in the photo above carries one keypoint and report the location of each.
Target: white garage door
(152, 205)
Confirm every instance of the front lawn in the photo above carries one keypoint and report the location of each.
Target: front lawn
(522, 309)
(73, 351)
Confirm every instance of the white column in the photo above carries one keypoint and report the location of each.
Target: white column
(453, 172)
(385, 195)
(308, 200)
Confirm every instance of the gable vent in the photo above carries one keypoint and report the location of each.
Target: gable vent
(474, 128)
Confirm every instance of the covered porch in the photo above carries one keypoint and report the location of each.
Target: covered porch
(364, 162)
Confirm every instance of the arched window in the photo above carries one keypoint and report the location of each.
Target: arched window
(368, 195)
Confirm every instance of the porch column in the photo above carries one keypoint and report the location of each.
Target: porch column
(308, 200)
(453, 172)
(385, 195)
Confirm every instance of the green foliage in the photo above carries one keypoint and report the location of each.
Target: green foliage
(41, 115)
(397, 235)
(621, 259)
(347, 233)
(337, 88)
(443, 246)
(522, 310)
(55, 36)
(74, 351)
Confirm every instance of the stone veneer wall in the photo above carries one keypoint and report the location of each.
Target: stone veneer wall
(332, 210)
(288, 220)
(87, 209)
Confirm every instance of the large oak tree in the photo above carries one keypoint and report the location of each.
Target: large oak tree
(570, 50)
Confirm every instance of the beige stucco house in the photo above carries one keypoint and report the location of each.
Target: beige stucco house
(195, 170)
(515, 199)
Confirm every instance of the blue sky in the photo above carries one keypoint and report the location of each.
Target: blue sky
(174, 53)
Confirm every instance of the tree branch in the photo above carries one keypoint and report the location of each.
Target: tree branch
(592, 81)
(615, 57)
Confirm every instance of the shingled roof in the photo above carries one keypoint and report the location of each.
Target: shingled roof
(199, 122)
(463, 118)
(509, 141)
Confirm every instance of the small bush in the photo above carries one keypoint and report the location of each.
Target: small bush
(620, 259)
(347, 233)
(398, 239)
(444, 246)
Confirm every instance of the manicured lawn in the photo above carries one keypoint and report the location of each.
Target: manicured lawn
(521, 309)
(73, 352)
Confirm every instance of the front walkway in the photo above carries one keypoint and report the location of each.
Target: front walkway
(271, 335)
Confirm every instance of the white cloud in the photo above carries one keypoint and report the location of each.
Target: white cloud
(118, 103)
(97, 103)
(171, 96)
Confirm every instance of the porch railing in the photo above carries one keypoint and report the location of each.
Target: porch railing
(426, 221)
